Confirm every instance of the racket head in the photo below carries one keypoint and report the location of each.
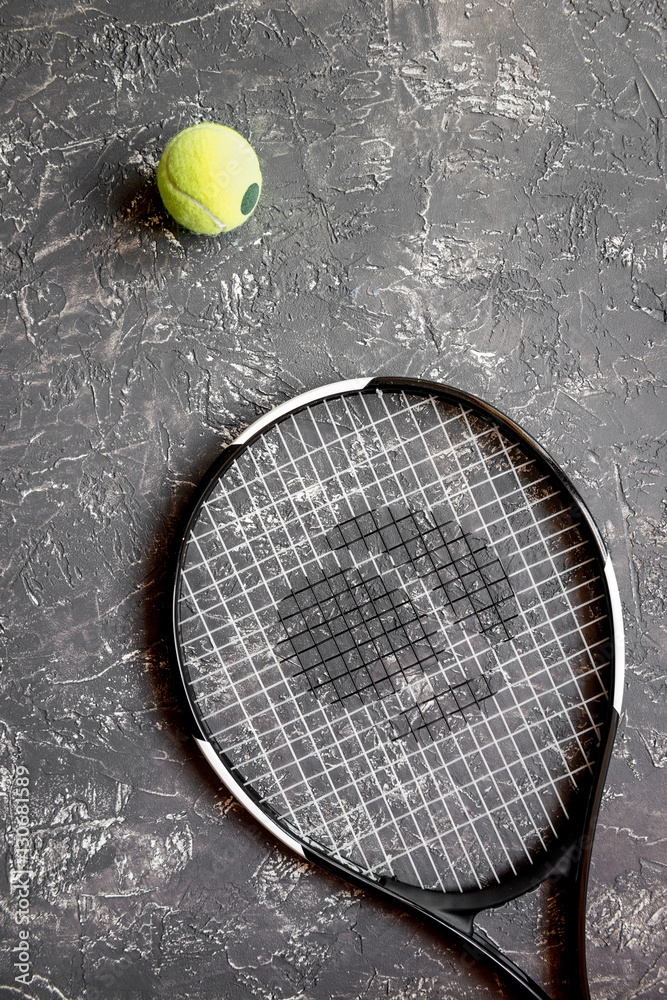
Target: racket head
(461, 552)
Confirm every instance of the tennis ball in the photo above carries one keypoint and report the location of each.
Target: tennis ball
(209, 178)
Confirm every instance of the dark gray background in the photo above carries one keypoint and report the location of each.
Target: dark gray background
(467, 191)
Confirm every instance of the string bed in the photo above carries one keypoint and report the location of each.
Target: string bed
(393, 625)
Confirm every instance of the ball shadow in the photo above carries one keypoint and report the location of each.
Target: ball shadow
(136, 201)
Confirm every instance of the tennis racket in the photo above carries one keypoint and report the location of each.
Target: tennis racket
(400, 639)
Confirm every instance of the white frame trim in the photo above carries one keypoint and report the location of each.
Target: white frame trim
(244, 799)
(618, 636)
(305, 399)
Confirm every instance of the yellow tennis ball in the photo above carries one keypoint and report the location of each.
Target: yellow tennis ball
(209, 178)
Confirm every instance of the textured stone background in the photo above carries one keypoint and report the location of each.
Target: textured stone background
(467, 191)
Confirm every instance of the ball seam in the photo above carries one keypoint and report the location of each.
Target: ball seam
(194, 201)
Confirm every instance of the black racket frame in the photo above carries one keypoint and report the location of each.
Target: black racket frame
(568, 860)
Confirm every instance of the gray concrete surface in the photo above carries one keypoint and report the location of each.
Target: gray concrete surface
(472, 192)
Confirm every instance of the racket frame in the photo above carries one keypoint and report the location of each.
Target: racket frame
(568, 858)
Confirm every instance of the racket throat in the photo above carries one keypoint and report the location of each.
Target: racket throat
(426, 903)
(459, 924)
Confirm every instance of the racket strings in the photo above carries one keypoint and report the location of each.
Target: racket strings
(220, 649)
(353, 634)
(234, 749)
(346, 829)
(192, 595)
(260, 513)
(518, 551)
(314, 730)
(481, 804)
(457, 805)
(564, 592)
